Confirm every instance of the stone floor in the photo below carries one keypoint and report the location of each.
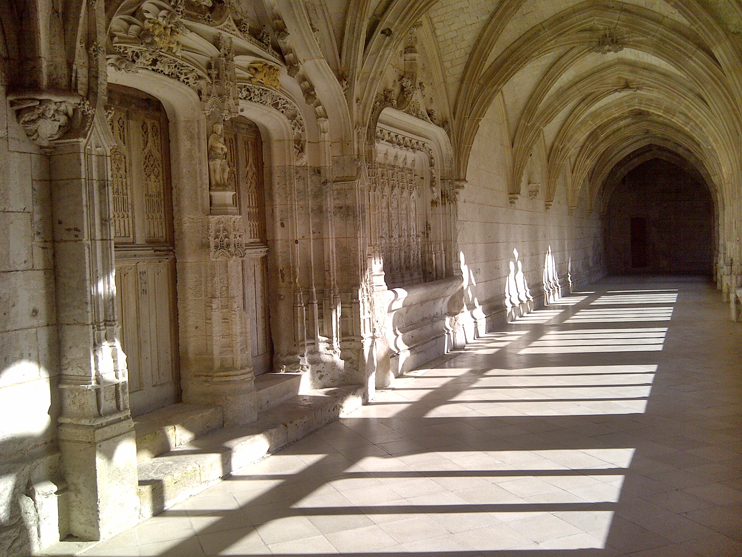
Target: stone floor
(609, 424)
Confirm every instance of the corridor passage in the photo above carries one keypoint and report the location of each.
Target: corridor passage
(608, 424)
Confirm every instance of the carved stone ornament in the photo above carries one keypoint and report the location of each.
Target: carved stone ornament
(534, 188)
(155, 25)
(226, 237)
(252, 92)
(149, 38)
(609, 40)
(132, 59)
(46, 117)
(219, 93)
(267, 74)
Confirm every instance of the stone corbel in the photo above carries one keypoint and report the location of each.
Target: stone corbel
(513, 198)
(226, 237)
(47, 116)
(533, 190)
(456, 189)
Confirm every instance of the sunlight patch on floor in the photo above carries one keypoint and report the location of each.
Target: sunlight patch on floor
(621, 315)
(629, 299)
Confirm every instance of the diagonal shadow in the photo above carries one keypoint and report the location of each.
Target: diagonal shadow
(650, 462)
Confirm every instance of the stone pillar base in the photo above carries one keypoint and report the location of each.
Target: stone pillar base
(100, 465)
(234, 392)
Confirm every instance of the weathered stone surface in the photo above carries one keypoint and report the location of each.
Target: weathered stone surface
(377, 212)
(273, 388)
(170, 427)
(190, 468)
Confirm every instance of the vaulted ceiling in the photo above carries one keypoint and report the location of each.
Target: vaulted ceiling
(583, 84)
(580, 86)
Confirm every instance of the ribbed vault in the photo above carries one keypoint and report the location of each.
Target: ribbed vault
(586, 83)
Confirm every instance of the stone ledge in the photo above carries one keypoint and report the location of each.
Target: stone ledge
(186, 470)
(168, 428)
(274, 388)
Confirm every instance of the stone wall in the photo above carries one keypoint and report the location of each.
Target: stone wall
(678, 222)
(29, 367)
(490, 228)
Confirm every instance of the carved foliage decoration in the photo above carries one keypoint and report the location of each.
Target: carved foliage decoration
(226, 237)
(155, 25)
(266, 74)
(409, 90)
(268, 97)
(149, 38)
(46, 117)
(45, 120)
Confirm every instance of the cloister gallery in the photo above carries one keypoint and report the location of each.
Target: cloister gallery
(226, 223)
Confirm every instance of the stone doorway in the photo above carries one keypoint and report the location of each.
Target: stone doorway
(638, 242)
(144, 251)
(245, 156)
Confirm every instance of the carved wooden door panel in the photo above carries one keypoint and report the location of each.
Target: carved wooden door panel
(145, 259)
(246, 158)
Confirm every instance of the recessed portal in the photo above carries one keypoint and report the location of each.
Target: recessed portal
(660, 220)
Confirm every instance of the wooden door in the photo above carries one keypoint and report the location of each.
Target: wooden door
(145, 259)
(246, 158)
(639, 247)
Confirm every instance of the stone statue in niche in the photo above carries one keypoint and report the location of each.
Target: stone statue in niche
(44, 120)
(219, 171)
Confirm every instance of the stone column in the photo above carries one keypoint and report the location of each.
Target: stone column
(96, 433)
(215, 336)
(288, 310)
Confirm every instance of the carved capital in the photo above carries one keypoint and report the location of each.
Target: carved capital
(49, 116)
(226, 237)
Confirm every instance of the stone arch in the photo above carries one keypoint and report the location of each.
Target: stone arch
(671, 153)
(681, 237)
(572, 30)
(646, 83)
(283, 132)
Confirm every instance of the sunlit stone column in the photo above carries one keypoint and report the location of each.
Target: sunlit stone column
(215, 337)
(96, 433)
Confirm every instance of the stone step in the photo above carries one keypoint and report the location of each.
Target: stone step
(188, 469)
(173, 426)
(274, 388)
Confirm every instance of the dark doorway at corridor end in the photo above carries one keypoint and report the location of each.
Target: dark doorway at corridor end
(660, 220)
